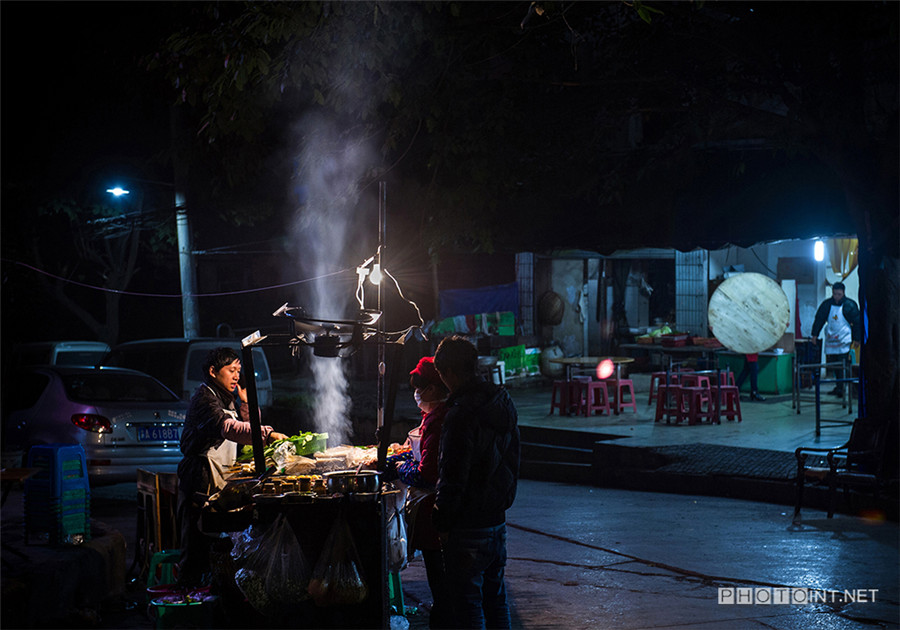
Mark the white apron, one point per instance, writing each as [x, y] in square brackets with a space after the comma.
[837, 332]
[221, 458]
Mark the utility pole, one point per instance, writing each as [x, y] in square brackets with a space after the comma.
[183, 229]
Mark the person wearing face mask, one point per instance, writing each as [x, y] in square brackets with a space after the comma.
[419, 471]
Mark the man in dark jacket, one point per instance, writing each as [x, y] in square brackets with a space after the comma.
[839, 316]
[478, 472]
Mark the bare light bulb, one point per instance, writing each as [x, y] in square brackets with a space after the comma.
[375, 276]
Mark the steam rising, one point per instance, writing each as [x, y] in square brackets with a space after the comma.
[332, 165]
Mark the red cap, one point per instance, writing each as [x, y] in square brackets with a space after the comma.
[427, 372]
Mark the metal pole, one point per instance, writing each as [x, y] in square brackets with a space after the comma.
[183, 231]
[378, 260]
[259, 457]
[186, 267]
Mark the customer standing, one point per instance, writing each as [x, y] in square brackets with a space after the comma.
[751, 369]
[418, 469]
[840, 318]
[212, 431]
[479, 470]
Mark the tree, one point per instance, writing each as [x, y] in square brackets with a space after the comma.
[622, 116]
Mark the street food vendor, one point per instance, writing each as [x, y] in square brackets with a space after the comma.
[213, 428]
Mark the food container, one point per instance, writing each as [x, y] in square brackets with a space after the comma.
[415, 437]
[674, 340]
[349, 481]
[364, 497]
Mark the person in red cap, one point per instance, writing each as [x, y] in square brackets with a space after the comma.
[418, 469]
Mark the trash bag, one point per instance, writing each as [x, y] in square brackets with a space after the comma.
[337, 577]
[275, 574]
[396, 530]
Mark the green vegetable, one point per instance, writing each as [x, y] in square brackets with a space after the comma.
[305, 443]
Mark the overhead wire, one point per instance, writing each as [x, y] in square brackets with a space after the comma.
[171, 295]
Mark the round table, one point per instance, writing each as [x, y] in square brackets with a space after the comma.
[570, 362]
[593, 362]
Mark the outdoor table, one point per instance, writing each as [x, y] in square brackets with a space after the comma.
[670, 352]
[819, 421]
[592, 362]
[571, 362]
[815, 369]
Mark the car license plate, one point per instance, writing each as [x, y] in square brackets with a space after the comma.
[159, 434]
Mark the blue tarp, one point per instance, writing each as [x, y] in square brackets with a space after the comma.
[500, 297]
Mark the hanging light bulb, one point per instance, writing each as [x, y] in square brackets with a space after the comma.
[375, 276]
[819, 251]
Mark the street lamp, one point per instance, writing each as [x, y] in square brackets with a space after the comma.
[185, 255]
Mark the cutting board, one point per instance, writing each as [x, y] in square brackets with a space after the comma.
[748, 313]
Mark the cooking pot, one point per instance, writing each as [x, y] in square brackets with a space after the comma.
[350, 481]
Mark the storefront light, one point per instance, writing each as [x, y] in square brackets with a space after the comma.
[819, 251]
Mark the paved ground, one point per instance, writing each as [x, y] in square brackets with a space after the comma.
[589, 557]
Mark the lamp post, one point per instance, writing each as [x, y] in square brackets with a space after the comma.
[185, 254]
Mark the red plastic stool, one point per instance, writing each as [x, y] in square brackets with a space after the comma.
[559, 399]
[730, 402]
[726, 377]
[619, 388]
[667, 400]
[657, 379]
[578, 394]
[596, 398]
[695, 404]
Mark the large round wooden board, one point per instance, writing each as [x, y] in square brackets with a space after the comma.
[749, 313]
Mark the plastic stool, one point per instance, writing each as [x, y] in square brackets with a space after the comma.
[395, 593]
[730, 402]
[60, 466]
[560, 397]
[164, 567]
[619, 387]
[667, 401]
[596, 398]
[695, 404]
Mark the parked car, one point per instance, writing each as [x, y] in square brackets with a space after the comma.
[124, 419]
[59, 353]
[178, 362]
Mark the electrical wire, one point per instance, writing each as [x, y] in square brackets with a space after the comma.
[171, 295]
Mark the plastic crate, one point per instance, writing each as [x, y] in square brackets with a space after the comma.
[60, 467]
[513, 357]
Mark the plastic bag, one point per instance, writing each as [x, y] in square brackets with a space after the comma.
[337, 578]
[275, 573]
[396, 530]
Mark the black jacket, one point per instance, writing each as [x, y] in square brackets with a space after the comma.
[479, 463]
[202, 431]
[848, 308]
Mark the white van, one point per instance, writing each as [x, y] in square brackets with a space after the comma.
[59, 353]
[178, 361]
